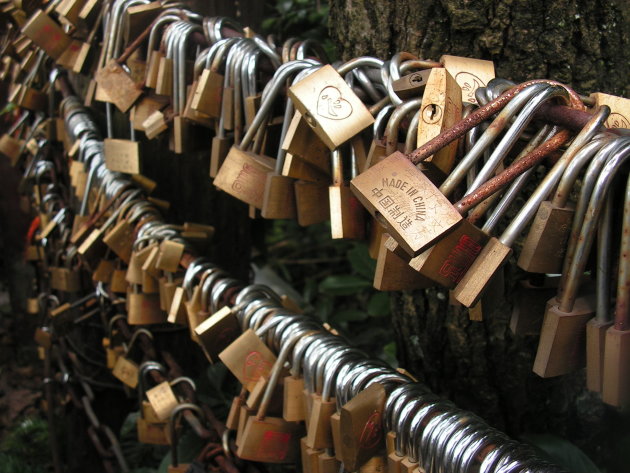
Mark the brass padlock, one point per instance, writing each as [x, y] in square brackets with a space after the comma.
[46, 33]
[144, 308]
[544, 247]
[150, 427]
[441, 108]
[561, 348]
[217, 332]
[312, 202]
[270, 439]
[361, 426]
[469, 73]
[393, 273]
[619, 109]
[125, 369]
[330, 106]
[496, 252]
[248, 358]
[300, 141]
[406, 203]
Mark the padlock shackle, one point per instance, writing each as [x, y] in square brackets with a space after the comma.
[172, 426]
[220, 290]
[143, 369]
[281, 75]
[478, 116]
[581, 159]
[297, 359]
[546, 132]
[274, 376]
[497, 126]
[528, 211]
[332, 366]
[587, 231]
[622, 316]
[318, 362]
[411, 140]
[604, 262]
[393, 124]
[510, 137]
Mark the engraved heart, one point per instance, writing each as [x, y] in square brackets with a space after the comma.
[331, 105]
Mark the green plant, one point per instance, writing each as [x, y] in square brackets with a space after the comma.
[300, 18]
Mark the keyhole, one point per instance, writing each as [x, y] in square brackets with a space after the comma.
[432, 113]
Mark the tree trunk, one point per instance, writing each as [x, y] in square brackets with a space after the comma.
[482, 366]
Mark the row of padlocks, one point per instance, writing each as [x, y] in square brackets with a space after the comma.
[441, 155]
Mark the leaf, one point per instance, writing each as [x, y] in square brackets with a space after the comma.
[323, 308]
[378, 305]
[361, 262]
[389, 354]
[345, 285]
[349, 315]
[562, 452]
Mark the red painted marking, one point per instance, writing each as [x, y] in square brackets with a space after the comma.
[255, 366]
[460, 259]
[372, 432]
[274, 445]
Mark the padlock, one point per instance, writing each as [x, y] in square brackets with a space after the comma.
[449, 259]
[412, 85]
[168, 284]
[496, 252]
[301, 142]
[393, 273]
[151, 429]
[279, 193]
[545, 244]
[384, 144]
[312, 202]
[11, 148]
[243, 173]
[125, 369]
[330, 106]
[619, 109]
[122, 155]
[271, 439]
[361, 429]
[441, 108]
[217, 332]
[46, 33]
[469, 73]
[209, 91]
[144, 308]
[157, 122]
[69, 273]
[405, 202]
[561, 348]
[120, 239]
[83, 58]
[145, 108]
[530, 301]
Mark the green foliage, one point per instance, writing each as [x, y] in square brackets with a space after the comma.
[561, 452]
[25, 449]
[300, 18]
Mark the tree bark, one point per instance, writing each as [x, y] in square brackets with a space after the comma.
[482, 366]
